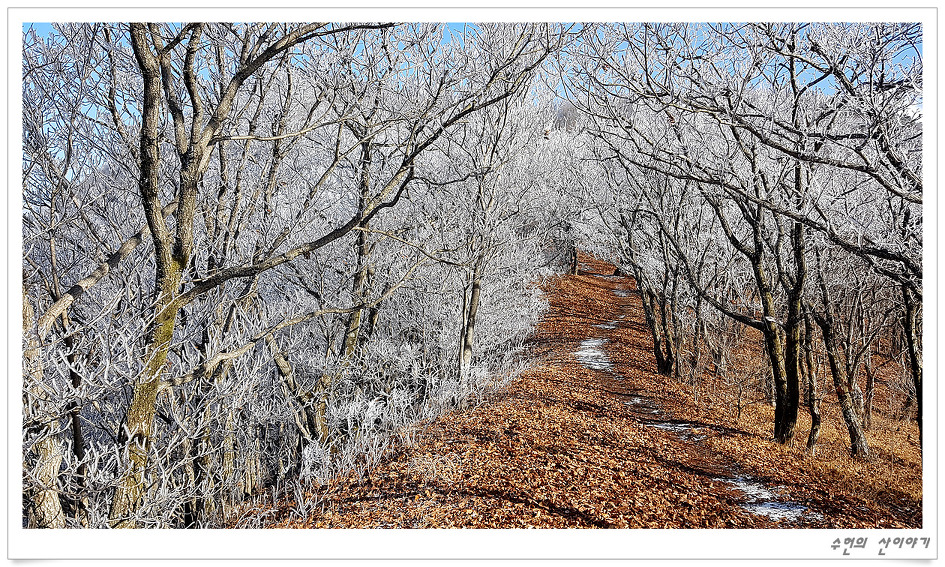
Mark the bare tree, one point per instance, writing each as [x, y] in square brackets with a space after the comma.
[233, 158]
[767, 123]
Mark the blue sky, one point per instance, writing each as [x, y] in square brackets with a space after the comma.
[41, 28]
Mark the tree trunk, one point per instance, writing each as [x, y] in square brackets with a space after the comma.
[304, 414]
[229, 465]
[813, 400]
[45, 506]
[786, 399]
[468, 335]
[75, 423]
[374, 312]
[666, 329]
[198, 509]
[252, 469]
[664, 357]
[363, 250]
[870, 390]
[317, 417]
[856, 393]
[695, 361]
[79, 499]
[910, 323]
[792, 329]
[140, 420]
[170, 260]
[858, 446]
[663, 366]
[190, 475]
[353, 326]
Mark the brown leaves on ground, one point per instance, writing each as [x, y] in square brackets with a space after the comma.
[567, 447]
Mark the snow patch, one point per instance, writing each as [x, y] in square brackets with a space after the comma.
[764, 502]
[641, 405]
[590, 355]
[789, 511]
[685, 431]
[670, 426]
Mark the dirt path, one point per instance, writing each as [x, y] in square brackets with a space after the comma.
[591, 436]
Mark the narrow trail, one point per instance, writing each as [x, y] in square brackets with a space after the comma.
[591, 436]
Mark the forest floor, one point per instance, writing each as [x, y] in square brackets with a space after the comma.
[592, 436]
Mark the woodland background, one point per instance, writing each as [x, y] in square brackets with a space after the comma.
[254, 254]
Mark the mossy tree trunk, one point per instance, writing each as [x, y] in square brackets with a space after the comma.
[169, 265]
[194, 138]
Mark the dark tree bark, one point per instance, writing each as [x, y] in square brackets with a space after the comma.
[858, 446]
[810, 374]
[870, 391]
[910, 324]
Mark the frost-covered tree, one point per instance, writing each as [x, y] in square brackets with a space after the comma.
[782, 130]
[210, 216]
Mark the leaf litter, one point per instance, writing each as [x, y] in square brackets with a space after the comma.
[592, 437]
